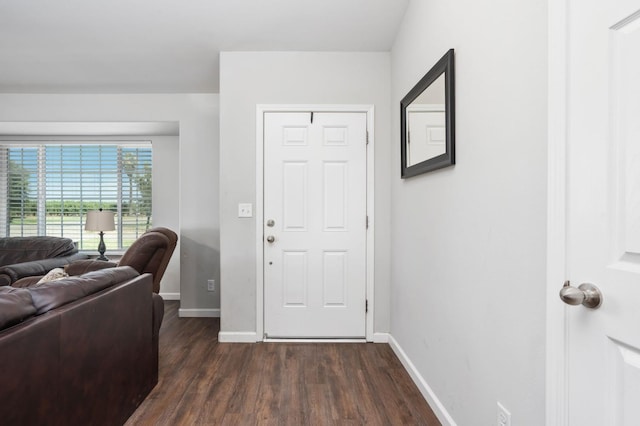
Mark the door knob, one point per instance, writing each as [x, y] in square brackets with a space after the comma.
[270, 223]
[271, 239]
[585, 294]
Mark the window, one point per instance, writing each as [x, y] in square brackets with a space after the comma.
[49, 187]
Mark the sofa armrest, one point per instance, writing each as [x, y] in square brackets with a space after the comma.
[12, 273]
[80, 267]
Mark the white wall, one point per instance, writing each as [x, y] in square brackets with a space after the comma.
[468, 242]
[166, 212]
[190, 170]
[251, 78]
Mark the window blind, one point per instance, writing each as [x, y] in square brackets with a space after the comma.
[49, 187]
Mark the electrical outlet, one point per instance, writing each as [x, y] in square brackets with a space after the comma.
[504, 416]
[211, 285]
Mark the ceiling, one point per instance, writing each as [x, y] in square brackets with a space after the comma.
[171, 46]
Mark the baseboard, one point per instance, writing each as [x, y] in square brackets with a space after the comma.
[206, 313]
[170, 296]
[237, 337]
[424, 388]
[272, 340]
[380, 337]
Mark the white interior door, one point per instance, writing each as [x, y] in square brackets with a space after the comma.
[314, 225]
[603, 210]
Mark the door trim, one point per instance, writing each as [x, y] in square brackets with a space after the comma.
[556, 386]
[259, 226]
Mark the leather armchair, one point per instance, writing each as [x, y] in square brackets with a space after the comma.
[150, 253]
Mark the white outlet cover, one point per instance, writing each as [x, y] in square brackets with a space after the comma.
[245, 210]
[504, 416]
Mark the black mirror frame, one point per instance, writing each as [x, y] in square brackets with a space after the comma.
[443, 66]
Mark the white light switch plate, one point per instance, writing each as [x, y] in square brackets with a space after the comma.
[245, 210]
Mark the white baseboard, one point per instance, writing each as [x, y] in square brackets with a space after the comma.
[170, 296]
[275, 340]
[205, 313]
[237, 337]
[380, 337]
[424, 388]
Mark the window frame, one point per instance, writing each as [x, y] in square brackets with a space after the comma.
[42, 141]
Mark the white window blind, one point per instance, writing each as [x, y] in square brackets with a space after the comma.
[49, 187]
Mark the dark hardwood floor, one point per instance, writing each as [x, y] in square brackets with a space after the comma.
[203, 382]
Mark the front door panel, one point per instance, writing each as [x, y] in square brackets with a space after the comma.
[315, 225]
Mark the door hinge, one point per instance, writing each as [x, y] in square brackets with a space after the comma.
[367, 137]
[367, 221]
[366, 306]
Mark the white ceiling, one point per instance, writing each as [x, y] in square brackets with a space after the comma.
[171, 46]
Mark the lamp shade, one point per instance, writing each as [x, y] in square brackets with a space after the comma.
[100, 220]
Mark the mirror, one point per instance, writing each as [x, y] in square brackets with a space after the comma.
[427, 138]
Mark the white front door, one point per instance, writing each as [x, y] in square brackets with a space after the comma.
[603, 210]
[314, 225]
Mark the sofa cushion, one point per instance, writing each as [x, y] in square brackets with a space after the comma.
[53, 294]
[15, 306]
[25, 249]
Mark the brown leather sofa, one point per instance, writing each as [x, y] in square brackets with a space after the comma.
[30, 256]
[80, 350]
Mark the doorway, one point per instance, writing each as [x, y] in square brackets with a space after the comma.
[314, 222]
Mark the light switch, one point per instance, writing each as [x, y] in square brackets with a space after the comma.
[245, 210]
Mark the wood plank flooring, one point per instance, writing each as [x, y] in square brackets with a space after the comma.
[203, 382]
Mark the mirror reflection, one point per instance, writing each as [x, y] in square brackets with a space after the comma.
[426, 124]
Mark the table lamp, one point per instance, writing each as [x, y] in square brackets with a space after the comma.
[100, 221]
